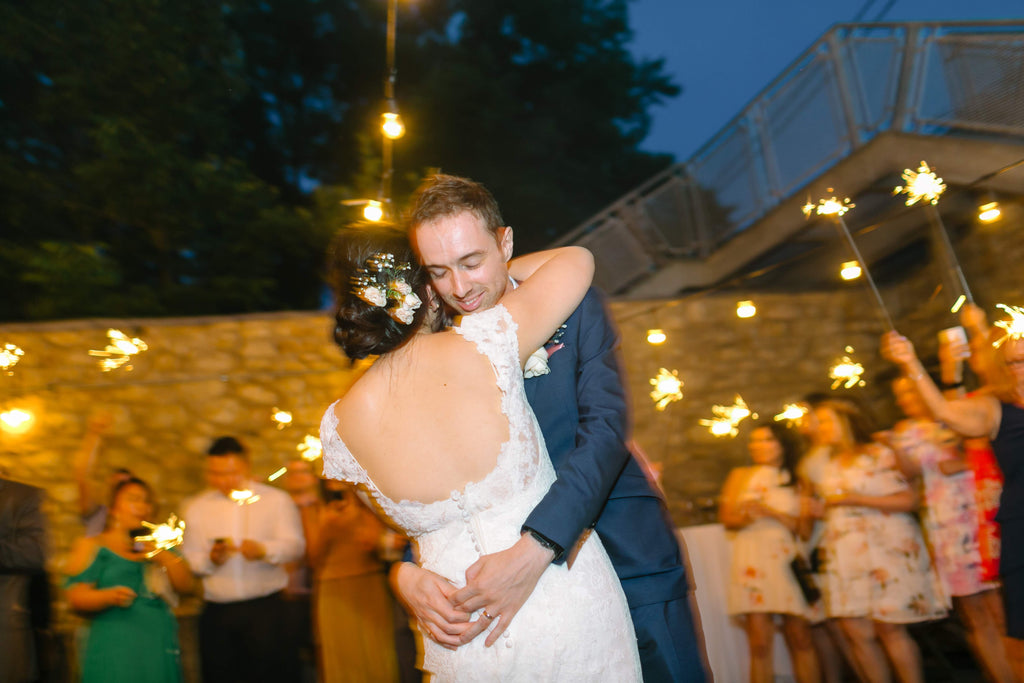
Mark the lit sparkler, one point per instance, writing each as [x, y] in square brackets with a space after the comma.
[118, 351]
[277, 474]
[243, 497]
[164, 536]
[924, 185]
[667, 388]
[720, 426]
[10, 354]
[835, 209]
[310, 449]
[791, 412]
[1014, 326]
[846, 372]
[735, 413]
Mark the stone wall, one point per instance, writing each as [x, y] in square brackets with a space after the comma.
[205, 377]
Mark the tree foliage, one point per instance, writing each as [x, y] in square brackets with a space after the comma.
[187, 157]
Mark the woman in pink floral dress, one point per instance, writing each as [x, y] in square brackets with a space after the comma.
[928, 450]
[760, 505]
[878, 575]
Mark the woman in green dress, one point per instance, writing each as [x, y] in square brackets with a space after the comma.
[132, 635]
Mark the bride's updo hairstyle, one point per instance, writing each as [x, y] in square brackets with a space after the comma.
[363, 328]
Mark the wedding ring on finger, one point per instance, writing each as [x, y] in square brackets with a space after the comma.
[488, 616]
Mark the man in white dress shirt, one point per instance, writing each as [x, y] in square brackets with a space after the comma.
[238, 534]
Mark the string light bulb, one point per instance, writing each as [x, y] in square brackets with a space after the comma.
[16, 420]
[989, 212]
[392, 126]
[373, 211]
[850, 271]
[667, 388]
[656, 336]
[922, 185]
[746, 309]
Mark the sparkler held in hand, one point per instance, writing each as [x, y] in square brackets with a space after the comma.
[835, 208]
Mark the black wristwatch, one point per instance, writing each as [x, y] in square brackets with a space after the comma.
[545, 542]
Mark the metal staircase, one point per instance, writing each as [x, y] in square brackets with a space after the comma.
[860, 105]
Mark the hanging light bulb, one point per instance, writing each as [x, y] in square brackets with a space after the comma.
[656, 336]
[393, 127]
[850, 270]
[282, 417]
[746, 309]
[16, 420]
[989, 211]
[373, 211]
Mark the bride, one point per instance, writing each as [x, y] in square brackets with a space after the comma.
[439, 434]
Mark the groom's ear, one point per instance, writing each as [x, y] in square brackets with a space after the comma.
[504, 235]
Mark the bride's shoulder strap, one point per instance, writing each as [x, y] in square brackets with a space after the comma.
[339, 463]
[494, 333]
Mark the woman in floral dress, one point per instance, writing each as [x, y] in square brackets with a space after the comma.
[760, 504]
[878, 575]
[927, 449]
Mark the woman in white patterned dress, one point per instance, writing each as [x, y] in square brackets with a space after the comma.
[878, 575]
[761, 507]
[438, 433]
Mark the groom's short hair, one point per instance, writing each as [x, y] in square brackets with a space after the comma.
[444, 196]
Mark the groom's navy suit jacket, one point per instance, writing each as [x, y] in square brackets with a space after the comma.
[581, 407]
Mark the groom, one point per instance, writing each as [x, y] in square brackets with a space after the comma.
[461, 240]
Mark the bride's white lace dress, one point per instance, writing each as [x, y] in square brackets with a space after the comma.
[576, 624]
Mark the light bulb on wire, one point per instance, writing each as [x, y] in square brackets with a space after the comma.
[392, 126]
[373, 211]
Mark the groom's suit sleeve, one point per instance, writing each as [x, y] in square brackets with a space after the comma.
[588, 472]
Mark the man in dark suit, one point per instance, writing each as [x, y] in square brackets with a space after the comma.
[575, 388]
[22, 556]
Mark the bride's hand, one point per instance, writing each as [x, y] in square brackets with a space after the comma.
[500, 583]
[427, 597]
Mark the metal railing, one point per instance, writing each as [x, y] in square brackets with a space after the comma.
[856, 82]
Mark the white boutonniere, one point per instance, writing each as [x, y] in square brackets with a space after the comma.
[537, 364]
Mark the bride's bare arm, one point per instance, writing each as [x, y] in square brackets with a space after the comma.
[554, 283]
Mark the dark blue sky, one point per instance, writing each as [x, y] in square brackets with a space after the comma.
[723, 53]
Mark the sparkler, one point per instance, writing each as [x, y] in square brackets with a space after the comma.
[310, 449]
[164, 536]
[791, 412]
[846, 372]
[1014, 326]
[727, 418]
[721, 426]
[667, 388]
[836, 208]
[118, 351]
[10, 354]
[15, 420]
[926, 186]
[243, 497]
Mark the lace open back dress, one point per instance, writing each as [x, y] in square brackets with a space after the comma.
[576, 625]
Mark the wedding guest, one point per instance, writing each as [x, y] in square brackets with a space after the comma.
[929, 451]
[22, 557]
[832, 647]
[354, 608]
[90, 508]
[999, 414]
[760, 504]
[132, 635]
[878, 576]
[239, 546]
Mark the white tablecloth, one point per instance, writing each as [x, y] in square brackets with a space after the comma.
[709, 553]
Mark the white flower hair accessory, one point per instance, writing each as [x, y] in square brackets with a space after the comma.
[382, 283]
